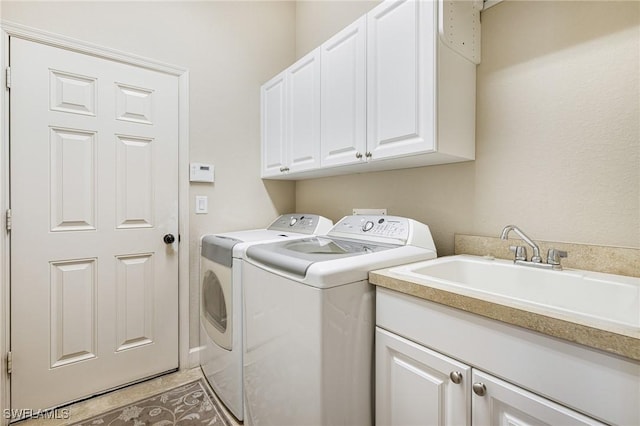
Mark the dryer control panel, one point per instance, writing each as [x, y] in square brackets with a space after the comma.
[301, 223]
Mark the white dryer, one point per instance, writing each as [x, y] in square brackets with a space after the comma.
[221, 299]
[309, 320]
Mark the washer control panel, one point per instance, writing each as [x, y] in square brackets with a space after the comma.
[375, 226]
[300, 223]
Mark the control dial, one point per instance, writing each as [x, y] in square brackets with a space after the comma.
[368, 225]
[293, 221]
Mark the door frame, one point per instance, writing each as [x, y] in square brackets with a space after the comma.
[187, 358]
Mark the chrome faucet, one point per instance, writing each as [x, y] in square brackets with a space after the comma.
[536, 249]
[553, 256]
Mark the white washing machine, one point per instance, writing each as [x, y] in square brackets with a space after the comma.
[221, 299]
[309, 320]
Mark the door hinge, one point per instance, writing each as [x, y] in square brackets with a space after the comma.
[8, 222]
[9, 362]
[8, 77]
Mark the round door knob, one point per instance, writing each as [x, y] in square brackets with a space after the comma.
[169, 239]
[456, 377]
[479, 389]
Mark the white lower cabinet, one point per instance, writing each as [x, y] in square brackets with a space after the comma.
[418, 386]
[496, 402]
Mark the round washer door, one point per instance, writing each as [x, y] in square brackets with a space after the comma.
[216, 303]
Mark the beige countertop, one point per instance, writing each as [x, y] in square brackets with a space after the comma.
[623, 341]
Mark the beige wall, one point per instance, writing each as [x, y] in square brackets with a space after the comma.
[316, 21]
[558, 132]
[230, 48]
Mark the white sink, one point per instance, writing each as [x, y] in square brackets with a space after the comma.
[607, 298]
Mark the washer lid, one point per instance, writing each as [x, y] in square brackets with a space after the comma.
[297, 256]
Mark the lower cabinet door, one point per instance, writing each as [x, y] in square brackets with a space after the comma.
[417, 386]
[496, 402]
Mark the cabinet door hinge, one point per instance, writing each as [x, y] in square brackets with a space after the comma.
[8, 77]
[9, 362]
[8, 222]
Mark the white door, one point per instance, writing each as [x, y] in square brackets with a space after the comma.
[417, 386]
[401, 58]
[343, 96]
[496, 402]
[303, 118]
[273, 116]
[94, 188]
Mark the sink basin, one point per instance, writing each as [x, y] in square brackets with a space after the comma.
[605, 298]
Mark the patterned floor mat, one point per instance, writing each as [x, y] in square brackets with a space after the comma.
[189, 404]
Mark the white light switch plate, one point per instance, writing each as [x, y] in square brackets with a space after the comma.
[202, 204]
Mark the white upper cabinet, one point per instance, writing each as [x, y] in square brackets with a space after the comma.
[397, 90]
[272, 99]
[343, 99]
[401, 73]
[290, 114]
[303, 107]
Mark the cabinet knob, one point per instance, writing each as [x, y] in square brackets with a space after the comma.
[456, 377]
[358, 155]
[282, 169]
[479, 389]
[368, 155]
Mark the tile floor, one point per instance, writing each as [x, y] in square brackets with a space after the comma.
[122, 397]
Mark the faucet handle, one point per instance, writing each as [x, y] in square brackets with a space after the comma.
[520, 252]
[554, 256]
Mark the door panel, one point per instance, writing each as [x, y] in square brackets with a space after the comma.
[73, 331]
[73, 180]
[72, 93]
[94, 188]
[135, 295]
[134, 180]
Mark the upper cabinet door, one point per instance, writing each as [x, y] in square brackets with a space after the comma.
[303, 108]
[401, 73]
[272, 99]
[343, 96]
